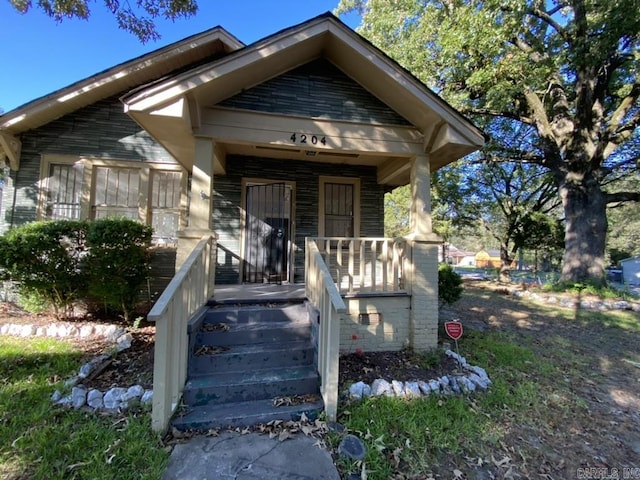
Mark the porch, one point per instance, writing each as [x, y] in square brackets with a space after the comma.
[354, 288]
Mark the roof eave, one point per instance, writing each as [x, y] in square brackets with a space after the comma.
[51, 106]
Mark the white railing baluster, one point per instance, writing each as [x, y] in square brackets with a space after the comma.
[363, 264]
[396, 266]
[352, 254]
[385, 258]
[374, 260]
[375, 265]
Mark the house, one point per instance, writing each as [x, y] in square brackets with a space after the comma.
[266, 164]
[454, 256]
[488, 259]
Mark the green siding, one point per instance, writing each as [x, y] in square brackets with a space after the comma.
[318, 89]
[101, 130]
[227, 205]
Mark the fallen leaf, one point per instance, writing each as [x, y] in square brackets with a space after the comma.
[500, 463]
[76, 465]
[285, 435]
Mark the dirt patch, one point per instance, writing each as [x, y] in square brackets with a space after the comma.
[403, 366]
[592, 417]
[133, 366]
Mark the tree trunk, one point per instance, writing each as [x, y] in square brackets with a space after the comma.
[506, 260]
[585, 231]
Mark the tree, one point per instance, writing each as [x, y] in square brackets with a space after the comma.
[138, 20]
[568, 69]
[396, 212]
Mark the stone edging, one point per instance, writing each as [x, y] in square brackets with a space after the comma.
[601, 305]
[475, 378]
[114, 399]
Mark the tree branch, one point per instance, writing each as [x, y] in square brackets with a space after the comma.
[500, 114]
[548, 19]
[620, 197]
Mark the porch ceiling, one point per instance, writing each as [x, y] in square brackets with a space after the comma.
[174, 111]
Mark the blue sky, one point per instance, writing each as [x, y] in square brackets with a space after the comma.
[40, 55]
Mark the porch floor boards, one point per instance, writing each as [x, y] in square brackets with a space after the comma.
[272, 293]
[259, 293]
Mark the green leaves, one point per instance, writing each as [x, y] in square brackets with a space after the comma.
[137, 19]
[65, 261]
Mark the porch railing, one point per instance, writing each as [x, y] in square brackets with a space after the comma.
[187, 292]
[375, 265]
[323, 294]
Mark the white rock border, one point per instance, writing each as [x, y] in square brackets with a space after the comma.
[116, 398]
[475, 378]
[601, 305]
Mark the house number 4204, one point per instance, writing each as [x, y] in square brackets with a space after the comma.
[308, 139]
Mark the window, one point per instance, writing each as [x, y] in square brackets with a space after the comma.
[116, 192]
[64, 188]
[79, 188]
[166, 190]
[339, 207]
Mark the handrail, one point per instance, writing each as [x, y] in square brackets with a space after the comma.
[366, 264]
[187, 292]
[324, 295]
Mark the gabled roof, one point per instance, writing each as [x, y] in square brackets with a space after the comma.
[211, 43]
[323, 36]
[211, 66]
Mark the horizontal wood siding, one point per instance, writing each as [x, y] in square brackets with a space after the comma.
[101, 130]
[227, 204]
[317, 89]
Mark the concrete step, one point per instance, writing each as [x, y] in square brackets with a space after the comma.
[207, 359]
[252, 333]
[243, 386]
[232, 314]
[243, 414]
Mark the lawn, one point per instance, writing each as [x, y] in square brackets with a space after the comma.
[41, 441]
[565, 398]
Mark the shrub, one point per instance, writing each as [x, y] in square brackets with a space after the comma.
[118, 261]
[46, 258]
[449, 285]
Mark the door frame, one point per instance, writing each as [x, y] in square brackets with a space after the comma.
[250, 181]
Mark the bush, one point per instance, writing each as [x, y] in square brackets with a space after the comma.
[46, 258]
[59, 262]
[449, 285]
[118, 261]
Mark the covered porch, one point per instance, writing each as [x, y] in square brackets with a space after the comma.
[287, 193]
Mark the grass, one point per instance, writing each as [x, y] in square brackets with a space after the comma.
[411, 436]
[41, 441]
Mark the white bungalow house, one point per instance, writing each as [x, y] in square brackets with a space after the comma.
[268, 164]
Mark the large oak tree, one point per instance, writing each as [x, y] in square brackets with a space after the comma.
[566, 68]
[137, 16]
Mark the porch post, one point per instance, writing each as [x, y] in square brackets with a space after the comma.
[200, 206]
[423, 327]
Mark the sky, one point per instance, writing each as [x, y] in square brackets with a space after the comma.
[40, 56]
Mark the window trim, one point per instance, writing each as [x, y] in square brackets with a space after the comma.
[355, 182]
[87, 188]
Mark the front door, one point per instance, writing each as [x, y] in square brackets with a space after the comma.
[267, 233]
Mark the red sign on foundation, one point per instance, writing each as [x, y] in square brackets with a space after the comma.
[453, 329]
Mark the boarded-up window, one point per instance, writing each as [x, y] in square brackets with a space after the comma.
[338, 210]
[165, 205]
[116, 192]
[64, 186]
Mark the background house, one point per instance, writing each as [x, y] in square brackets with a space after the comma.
[488, 259]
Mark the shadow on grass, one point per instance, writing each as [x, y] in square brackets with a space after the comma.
[39, 440]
